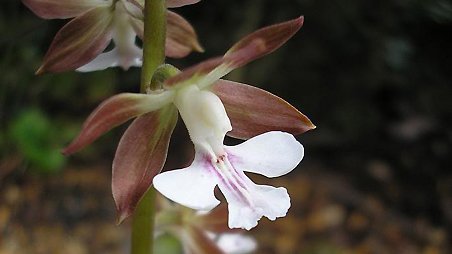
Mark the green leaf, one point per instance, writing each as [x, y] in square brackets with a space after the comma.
[34, 136]
[167, 244]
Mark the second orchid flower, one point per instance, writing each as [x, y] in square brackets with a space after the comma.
[80, 43]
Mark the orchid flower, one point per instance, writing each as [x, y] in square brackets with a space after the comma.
[125, 53]
[271, 154]
[80, 43]
[210, 108]
[201, 232]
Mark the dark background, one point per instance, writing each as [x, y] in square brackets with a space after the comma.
[375, 77]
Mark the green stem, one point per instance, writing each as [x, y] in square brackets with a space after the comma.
[143, 224]
[153, 56]
[153, 40]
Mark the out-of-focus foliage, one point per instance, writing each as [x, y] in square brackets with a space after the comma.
[166, 243]
[40, 114]
[34, 137]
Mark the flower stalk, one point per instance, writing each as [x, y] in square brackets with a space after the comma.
[153, 40]
[153, 56]
[143, 224]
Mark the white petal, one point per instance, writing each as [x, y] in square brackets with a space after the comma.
[236, 243]
[277, 200]
[271, 154]
[125, 53]
[267, 201]
[192, 187]
[124, 39]
[102, 62]
[131, 57]
[204, 116]
[113, 58]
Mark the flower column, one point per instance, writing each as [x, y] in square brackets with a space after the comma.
[153, 56]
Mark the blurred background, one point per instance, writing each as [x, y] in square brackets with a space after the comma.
[375, 77]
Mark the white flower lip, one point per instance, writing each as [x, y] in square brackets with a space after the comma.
[271, 154]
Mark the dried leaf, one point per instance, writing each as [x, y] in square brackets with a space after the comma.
[140, 156]
[254, 111]
[79, 41]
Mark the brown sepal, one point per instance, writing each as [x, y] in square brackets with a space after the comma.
[79, 41]
[140, 156]
[181, 37]
[262, 42]
[61, 9]
[250, 48]
[109, 114]
[254, 111]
